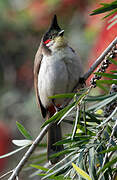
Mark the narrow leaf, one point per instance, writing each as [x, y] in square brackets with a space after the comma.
[39, 167]
[23, 142]
[111, 13]
[67, 95]
[63, 117]
[105, 7]
[99, 98]
[108, 118]
[24, 132]
[109, 150]
[59, 114]
[113, 76]
[11, 153]
[107, 81]
[99, 84]
[76, 122]
[113, 61]
[81, 172]
[108, 164]
[92, 170]
[114, 71]
[103, 103]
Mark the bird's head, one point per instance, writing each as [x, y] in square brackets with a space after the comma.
[54, 36]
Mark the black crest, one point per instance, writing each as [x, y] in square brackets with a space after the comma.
[53, 30]
[54, 25]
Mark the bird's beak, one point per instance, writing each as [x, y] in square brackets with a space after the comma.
[61, 33]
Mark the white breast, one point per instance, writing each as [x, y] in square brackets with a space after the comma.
[58, 74]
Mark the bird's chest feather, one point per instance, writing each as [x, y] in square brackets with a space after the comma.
[54, 74]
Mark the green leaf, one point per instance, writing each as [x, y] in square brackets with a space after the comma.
[107, 81]
[108, 164]
[114, 71]
[109, 150]
[105, 7]
[99, 98]
[76, 122]
[108, 118]
[54, 177]
[39, 167]
[67, 95]
[76, 139]
[11, 153]
[24, 132]
[99, 84]
[113, 76]
[63, 152]
[59, 114]
[82, 128]
[92, 118]
[64, 116]
[81, 172]
[111, 13]
[102, 103]
[92, 170]
[113, 61]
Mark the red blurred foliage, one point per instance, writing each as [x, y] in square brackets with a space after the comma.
[104, 38]
[5, 141]
[69, 5]
[42, 11]
[39, 11]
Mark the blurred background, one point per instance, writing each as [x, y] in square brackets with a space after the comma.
[22, 24]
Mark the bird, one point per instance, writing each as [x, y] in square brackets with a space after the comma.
[57, 70]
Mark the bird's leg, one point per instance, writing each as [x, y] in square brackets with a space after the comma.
[57, 108]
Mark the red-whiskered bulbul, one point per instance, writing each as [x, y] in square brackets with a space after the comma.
[57, 70]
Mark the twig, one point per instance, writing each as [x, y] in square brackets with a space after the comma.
[100, 59]
[6, 174]
[45, 129]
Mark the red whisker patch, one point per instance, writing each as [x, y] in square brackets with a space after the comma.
[47, 41]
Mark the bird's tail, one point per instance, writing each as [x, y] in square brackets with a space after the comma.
[54, 135]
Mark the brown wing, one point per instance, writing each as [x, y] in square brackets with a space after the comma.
[37, 64]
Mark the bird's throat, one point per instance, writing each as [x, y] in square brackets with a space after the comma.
[60, 42]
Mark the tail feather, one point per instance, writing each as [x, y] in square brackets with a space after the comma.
[54, 135]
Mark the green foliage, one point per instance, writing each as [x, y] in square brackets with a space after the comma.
[24, 132]
[108, 7]
[112, 6]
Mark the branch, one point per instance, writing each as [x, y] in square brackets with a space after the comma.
[45, 129]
